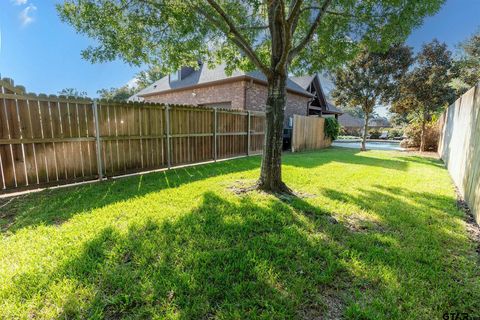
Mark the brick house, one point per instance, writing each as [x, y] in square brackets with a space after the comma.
[240, 90]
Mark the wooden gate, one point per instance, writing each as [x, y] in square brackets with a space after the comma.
[309, 133]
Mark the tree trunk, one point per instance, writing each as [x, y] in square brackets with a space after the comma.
[271, 172]
[422, 137]
[365, 132]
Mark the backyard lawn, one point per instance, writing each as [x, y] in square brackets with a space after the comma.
[374, 235]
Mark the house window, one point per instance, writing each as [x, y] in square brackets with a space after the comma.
[290, 122]
[175, 76]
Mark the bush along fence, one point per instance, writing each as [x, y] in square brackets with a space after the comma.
[49, 140]
[459, 146]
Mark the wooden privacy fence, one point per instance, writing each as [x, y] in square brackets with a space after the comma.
[309, 133]
[55, 140]
[459, 146]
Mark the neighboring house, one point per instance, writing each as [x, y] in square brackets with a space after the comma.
[240, 90]
[349, 122]
[354, 126]
[379, 122]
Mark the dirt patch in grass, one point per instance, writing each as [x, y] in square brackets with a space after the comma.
[331, 307]
[9, 208]
[240, 187]
[357, 223]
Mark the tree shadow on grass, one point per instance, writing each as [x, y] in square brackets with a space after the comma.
[343, 155]
[222, 260]
[57, 205]
[423, 160]
[417, 253]
[283, 259]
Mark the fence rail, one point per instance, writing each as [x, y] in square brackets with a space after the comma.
[56, 140]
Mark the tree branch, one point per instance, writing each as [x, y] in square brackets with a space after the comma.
[294, 14]
[261, 27]
[336, 13]
[280, 35]
[343, 14]
[238, 38]
[311, 31]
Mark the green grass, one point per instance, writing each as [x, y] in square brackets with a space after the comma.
[377, 236]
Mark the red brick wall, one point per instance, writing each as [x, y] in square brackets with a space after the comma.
[257, 95]
[221, 94]
[233, 95]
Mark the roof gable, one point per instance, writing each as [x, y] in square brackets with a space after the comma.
[307, 82]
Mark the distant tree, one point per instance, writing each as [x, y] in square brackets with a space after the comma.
[369, 80]
[142, 80]
[467, 66]
[276, 37]
[72, 92]
[147, 77]
[355, 111]
[117, 94]
[399, 119]
[425, 90]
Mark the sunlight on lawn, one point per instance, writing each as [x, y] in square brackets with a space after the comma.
[378, 236]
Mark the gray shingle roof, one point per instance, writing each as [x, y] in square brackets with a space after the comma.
[347, 120]
[205, 75]
[303, 81]
[331, 107]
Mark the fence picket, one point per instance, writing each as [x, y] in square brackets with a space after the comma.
[49, 139]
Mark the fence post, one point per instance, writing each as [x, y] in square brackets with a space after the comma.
[167, 123]
[248, 133]
[98, 141]
[215, 134]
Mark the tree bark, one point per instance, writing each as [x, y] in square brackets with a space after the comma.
[422, 137]
[365, 132]
[271, 171]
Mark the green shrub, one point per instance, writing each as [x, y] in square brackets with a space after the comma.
[395, 133]
[332, 128]
[374, 133]
[413, 132]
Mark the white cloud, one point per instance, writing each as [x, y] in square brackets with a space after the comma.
[132, 83]
[25, 15]
[19, 2]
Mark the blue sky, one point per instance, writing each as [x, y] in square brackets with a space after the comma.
[43, 54]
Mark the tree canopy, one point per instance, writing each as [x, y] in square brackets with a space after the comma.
[72, 92]
[426, 90]
[174, 33]
[147, 77]
[467, 66]
[117, 94]
[371, 79]
[142, 80]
